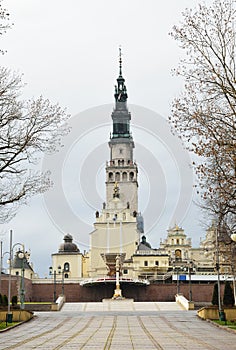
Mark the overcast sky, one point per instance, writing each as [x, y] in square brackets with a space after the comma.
[68, 52]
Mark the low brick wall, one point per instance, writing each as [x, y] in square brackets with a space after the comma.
[201, 293]
[74, 292]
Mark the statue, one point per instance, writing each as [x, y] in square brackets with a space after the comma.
[116, 191]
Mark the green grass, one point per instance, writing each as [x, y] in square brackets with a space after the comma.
[228, 324]
[3, 325]
[35, 302]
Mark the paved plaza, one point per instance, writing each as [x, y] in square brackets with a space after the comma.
[118, 325]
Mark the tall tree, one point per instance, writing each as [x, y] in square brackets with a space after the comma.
[27, 130]
[205, 114]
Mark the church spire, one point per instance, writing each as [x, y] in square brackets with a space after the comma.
[120, 61]
[120, 88]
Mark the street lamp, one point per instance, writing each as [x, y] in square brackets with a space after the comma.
[178, 269]
[221, 311]
[9, 315]
[55, 273]
[233, 237]
[23, 256]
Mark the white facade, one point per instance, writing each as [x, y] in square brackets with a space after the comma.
[68, 262]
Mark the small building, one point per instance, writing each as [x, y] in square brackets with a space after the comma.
[68, 260]
[146, 262]
[21, 265]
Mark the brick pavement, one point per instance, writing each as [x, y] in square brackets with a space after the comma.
[117, 325]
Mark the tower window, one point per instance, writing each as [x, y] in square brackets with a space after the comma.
[145, 263]
[121, 150]
[157, 263]
[110, 176]
[131, 176]
[117, 176]
[66, 267]
[124, 176]
[66, 275]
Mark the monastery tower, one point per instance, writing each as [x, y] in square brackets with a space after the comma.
[118, 226]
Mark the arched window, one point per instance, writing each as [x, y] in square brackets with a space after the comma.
[131, 176]
[66, 275]
[110, 176]
[66, 267]
[117, 176]
[124, 176]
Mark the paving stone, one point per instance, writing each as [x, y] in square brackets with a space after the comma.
[115, 326]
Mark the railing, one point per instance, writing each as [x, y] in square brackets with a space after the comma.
[107, 279]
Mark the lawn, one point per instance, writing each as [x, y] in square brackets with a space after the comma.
[3, 325]
[228, 324]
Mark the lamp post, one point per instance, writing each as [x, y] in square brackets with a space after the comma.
[55, 273]
[221, 312]
[23, 256]
[178, 286]
[9, 316]
[190, 280]
[177, 269]
[233, 237]
[11, 247]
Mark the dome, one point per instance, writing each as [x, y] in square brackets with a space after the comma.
[68, 246]
[144, 245]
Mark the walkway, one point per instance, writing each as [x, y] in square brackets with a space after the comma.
[118, 325]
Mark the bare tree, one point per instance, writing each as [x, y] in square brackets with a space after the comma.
[205, 114]
[27, 130]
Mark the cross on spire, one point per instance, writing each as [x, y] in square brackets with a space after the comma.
[120, 61]
[120, 88]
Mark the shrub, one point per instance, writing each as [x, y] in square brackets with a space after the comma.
[214, 300]
[228, 298]
[14, 300]
[4, 300]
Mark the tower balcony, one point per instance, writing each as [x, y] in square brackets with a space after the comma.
[121, 163]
